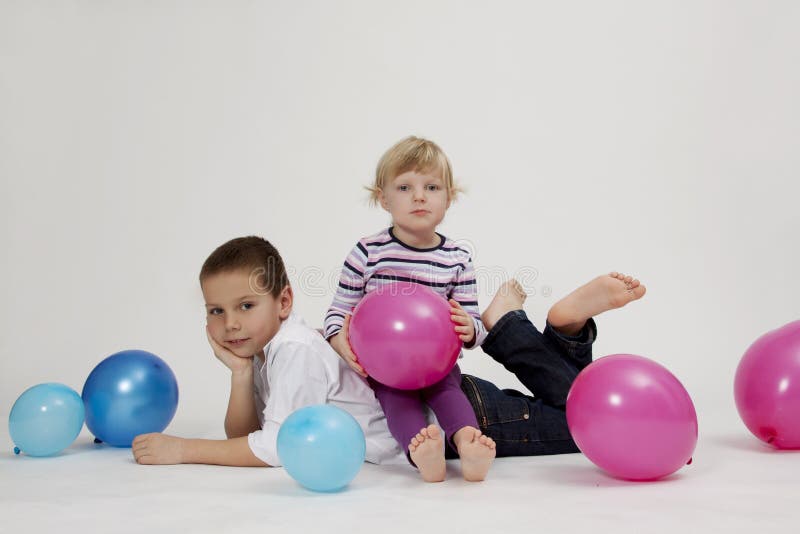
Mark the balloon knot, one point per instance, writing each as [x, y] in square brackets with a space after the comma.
[97, 440]
[16, 450]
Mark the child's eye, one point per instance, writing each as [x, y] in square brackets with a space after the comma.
[246, 305]
[433, 187]
[215, 311]
[402, 188]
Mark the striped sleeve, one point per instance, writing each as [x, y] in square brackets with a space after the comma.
[349, 292]
[465, 292]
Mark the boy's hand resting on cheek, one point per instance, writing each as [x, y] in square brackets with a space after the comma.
[341, 345]
[233, 362]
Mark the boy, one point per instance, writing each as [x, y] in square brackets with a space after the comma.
[272, 352]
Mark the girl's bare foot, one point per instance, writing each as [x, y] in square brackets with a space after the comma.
[427, 452]
[604, 293]
[508, 298]
[476, 451]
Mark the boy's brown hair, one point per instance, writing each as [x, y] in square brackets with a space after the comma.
[256, 255]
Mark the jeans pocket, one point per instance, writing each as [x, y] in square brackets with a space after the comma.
[493, 406]
[508, 406]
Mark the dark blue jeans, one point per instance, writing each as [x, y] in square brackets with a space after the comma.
[546, 363]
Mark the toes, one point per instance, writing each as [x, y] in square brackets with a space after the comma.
[620, 277]
[434, 433]
[518, 288]
[630, 282]
[487, 441]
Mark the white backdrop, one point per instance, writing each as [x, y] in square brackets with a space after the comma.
[659, 139]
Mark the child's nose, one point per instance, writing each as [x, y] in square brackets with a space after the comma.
[232, 323]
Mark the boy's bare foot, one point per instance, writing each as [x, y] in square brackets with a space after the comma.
[604, 293]
[476, 451]
[427, 452]
[508, 298]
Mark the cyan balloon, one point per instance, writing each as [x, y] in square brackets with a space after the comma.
[46, 419]
[129, 393]
[322, 447]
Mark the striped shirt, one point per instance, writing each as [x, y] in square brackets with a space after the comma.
[381, 259]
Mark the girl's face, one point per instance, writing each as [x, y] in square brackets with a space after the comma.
[417, 202]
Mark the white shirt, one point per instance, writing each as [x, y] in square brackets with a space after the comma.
[300, 368]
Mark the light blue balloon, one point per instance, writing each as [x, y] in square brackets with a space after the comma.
[46, 419]
[322, 447]
[129, 393]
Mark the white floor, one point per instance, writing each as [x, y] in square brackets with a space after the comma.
[734, 485]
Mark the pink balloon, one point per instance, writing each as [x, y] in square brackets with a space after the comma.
[632, 417]
[767, 387]
[403, 336]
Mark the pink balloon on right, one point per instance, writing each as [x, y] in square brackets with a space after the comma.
[632, 418]
[767, 387]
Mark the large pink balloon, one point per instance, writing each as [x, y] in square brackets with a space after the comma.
[632, 417]
[767, 387]
[403, 336]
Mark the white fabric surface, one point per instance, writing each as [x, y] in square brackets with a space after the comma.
[733, 485]
[301, 369]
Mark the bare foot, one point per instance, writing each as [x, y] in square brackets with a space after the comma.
[508, 298]
[604, 293]
[427, 452]
[477, 453]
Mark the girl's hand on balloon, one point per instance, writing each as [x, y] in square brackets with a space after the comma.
[341, 345]
[465, 327]
[157, 449]
[235, 363]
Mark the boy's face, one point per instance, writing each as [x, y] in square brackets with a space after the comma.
[416, 200]
[240, 316]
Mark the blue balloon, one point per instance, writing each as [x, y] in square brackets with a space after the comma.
[46, 419]
[322, 447]
[129, 393]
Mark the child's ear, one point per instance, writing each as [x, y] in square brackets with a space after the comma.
[382, 199]
[286, 299]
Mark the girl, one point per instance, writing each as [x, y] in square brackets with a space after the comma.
[414, 183]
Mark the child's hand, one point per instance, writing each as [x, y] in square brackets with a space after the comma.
[161, 449]
[341, 344]
[233, 362]
[465, 327]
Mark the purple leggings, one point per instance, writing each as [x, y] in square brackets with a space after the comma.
[405, 410]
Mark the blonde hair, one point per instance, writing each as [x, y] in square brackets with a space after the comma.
[412, 154]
